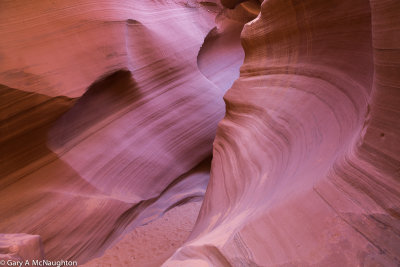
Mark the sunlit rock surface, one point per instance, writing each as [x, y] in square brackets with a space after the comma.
[109, 114]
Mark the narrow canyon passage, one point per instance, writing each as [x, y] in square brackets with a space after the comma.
[219, 59]
[133, 145]
[106, 121]
[200, 133]
[221, 54]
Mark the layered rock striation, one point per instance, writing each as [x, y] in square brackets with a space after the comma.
[106, 121]
[109, 110]
[305, 167]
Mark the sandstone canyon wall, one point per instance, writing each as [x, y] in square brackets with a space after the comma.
[306, 168]
[106, 121]
[109, 114]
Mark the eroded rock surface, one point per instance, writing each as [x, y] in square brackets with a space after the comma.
[109, 110]
[106, 121]
[306, 162]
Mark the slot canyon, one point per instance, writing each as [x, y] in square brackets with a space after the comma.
[243, 133]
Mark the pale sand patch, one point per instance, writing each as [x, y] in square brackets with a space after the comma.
[150, 245]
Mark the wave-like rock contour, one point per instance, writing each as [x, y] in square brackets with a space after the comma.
[106, 121]
[109, 110]
[306, 162]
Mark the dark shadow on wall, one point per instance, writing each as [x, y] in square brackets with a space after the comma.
[106, 96]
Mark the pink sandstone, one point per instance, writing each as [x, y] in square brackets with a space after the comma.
[111, 112]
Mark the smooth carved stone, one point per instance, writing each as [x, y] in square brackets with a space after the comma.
[305, 167]
[106, 121]
[110, 111]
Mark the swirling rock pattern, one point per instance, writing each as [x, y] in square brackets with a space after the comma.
[109, 110]
[305, 168]
[106, 121]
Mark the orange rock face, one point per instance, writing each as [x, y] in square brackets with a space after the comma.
[111, 110]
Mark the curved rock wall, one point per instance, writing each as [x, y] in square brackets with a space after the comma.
[106, 122]
[305, 168]
[109, 110]
[221, 54]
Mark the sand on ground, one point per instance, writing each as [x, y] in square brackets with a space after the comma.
[151, 244]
